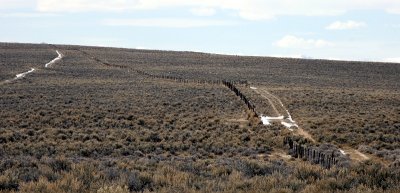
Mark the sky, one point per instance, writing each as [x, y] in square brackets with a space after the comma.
[365, 30]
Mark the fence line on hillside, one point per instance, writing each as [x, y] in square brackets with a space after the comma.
[238, 93]
[229, 84]
[178, 79]
[297, 150]
[101, 61]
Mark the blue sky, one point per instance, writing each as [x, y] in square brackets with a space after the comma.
[329, 29]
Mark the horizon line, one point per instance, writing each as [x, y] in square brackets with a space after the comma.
[302, 57]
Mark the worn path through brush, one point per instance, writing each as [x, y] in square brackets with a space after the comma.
[280, 111]
[23, 74]
[354, 154]
[281, 114]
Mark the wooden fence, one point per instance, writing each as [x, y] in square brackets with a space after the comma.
[302, 151]
[327, 160]
[230, 84]
[238, 93]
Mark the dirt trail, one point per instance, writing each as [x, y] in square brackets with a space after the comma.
[279, 154]
[282, 115]
[354, 154]
[18, 76]
[22, 75]
[305, 134]
[280, 110]
[59, 57]
[269, 99]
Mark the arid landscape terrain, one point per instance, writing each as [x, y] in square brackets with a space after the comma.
[96, 119]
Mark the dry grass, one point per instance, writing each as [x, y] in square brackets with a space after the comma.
[85, 127]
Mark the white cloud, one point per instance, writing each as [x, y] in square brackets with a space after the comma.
[203, 11]
[10, 4]
[142, 48]
[296, 42]
[26, 15]
[84, 5]
[339, 25]
[167, 22]
[301, 56]
[394, 10]
[393, 60]
[246, 9]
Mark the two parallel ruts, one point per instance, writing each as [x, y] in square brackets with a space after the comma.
[22, 75]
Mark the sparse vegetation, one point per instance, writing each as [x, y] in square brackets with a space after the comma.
[81, 126]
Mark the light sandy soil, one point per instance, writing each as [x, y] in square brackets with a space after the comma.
[59, 57]
[18, 76]
[279, 109]
[279, 155]
[305, 134]
[282, 115]
[265, 94]
[354, 154]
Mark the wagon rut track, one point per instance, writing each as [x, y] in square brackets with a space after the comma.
[24, 74]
